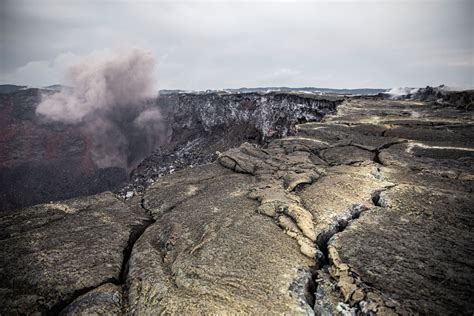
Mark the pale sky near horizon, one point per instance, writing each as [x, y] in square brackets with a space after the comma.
[220, 44]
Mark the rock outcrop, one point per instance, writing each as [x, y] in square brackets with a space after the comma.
[369, 211]
[201, 125]
[441, 95]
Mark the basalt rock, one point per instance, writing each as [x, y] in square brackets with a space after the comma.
[203, 125]
[366, 212]
[52, 253]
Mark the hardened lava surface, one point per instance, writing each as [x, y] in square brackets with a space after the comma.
[369, 211]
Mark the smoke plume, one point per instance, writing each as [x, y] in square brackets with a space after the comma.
[398, 92]
[112, 99]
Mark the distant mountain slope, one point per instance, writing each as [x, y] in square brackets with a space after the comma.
[312, 89]
[287, 89]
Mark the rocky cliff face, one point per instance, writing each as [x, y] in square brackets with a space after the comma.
[369, 211]
[42, 160]
[199, 126]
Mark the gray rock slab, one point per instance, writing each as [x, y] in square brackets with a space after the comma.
[51, 253]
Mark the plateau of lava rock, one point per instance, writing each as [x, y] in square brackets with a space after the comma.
[369, 211]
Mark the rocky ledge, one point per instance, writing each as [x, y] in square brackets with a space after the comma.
[369, 211]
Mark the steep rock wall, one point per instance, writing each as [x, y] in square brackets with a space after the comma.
[41, 160]
[199, 126]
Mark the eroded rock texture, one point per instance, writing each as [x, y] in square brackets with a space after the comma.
[209, 251]
[201, 125]
[51, 253]
[368, 212]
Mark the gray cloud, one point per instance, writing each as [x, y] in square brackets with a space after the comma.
[204, 45]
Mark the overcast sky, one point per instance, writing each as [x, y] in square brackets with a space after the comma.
[208, 45]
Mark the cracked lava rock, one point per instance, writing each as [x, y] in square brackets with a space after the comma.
[369, 211]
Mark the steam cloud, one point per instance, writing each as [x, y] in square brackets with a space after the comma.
[401, 91]
[112, 101]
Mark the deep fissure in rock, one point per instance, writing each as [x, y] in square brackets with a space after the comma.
[135, 233]
[322, 241]
[127, 252]
[377, 157]
[376, 199]
[337, 226]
